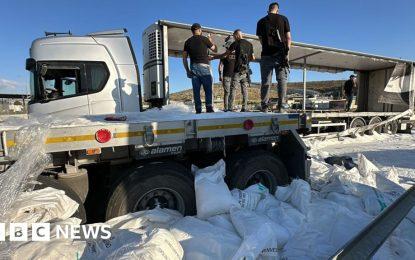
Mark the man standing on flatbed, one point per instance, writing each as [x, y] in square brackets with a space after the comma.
[244, 53]
[197, 48]
[226, 71]
[274, 33]
[350, 87]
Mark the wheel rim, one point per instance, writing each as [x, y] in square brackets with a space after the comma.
[373, 121]
[260, 176]
[357, 122]
[163, 198]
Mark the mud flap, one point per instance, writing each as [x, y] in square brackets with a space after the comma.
[293, 153]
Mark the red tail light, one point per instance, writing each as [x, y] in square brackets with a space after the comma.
[248, 124]
[103, 135]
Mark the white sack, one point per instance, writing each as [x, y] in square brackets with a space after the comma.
[329, 226]
[348, 201]
[222, 221]
[320, 173]
[282, 213]
[61, 249]
[212, 194]
[147, 219]
[249, 198]
[202, 240]
[42, 205]
[159, 244]
[260, 234]
[365, 166]
[258, 188]
[64, 248]
[374, 201]
[298, 194]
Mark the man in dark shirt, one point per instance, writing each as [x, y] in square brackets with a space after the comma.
[349, 90]
[244, 53]
[196, 47]
[226, 71]
[274, 33]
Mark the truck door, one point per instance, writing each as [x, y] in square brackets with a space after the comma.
[65, 87]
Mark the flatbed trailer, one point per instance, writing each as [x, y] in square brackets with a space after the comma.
[328, 121]
[158, 148]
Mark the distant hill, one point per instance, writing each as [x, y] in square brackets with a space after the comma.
[331, 87]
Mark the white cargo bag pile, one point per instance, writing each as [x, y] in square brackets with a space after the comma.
[295, 222]
[139, 235]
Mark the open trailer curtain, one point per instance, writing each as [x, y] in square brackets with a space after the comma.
[400, 88]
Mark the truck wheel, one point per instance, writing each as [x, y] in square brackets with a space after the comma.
[78, 182]
[374, 120]
[250, 167]
[165, 185]
[390, 128]
[50, 181]
[357, 122]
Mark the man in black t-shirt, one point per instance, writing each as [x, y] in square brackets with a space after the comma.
[350, 87]
[226, 70]
[196, 47]
[274, 33]
[244, 53]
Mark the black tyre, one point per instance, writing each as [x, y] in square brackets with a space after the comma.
[390, 128]
[357, 122]
[374, 120]
[257, 166]
[167, 185]
[50, 181]
[408, 129]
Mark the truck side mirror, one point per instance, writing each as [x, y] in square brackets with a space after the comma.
[30, 64]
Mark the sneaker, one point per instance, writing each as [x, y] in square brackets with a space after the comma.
[198, 111]
[209, 110]
[244, 110]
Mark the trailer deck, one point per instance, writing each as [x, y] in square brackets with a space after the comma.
[319, 115]
[159, 129]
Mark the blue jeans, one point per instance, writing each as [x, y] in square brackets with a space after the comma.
[202, 76]
[268, 64]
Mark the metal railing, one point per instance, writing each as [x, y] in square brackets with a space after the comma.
[371, 238]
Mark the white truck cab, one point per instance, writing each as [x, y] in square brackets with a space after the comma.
[84, 75]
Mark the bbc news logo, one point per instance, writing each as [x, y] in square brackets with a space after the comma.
[43, 232]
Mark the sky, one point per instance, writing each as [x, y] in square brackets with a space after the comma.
[373, 26]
